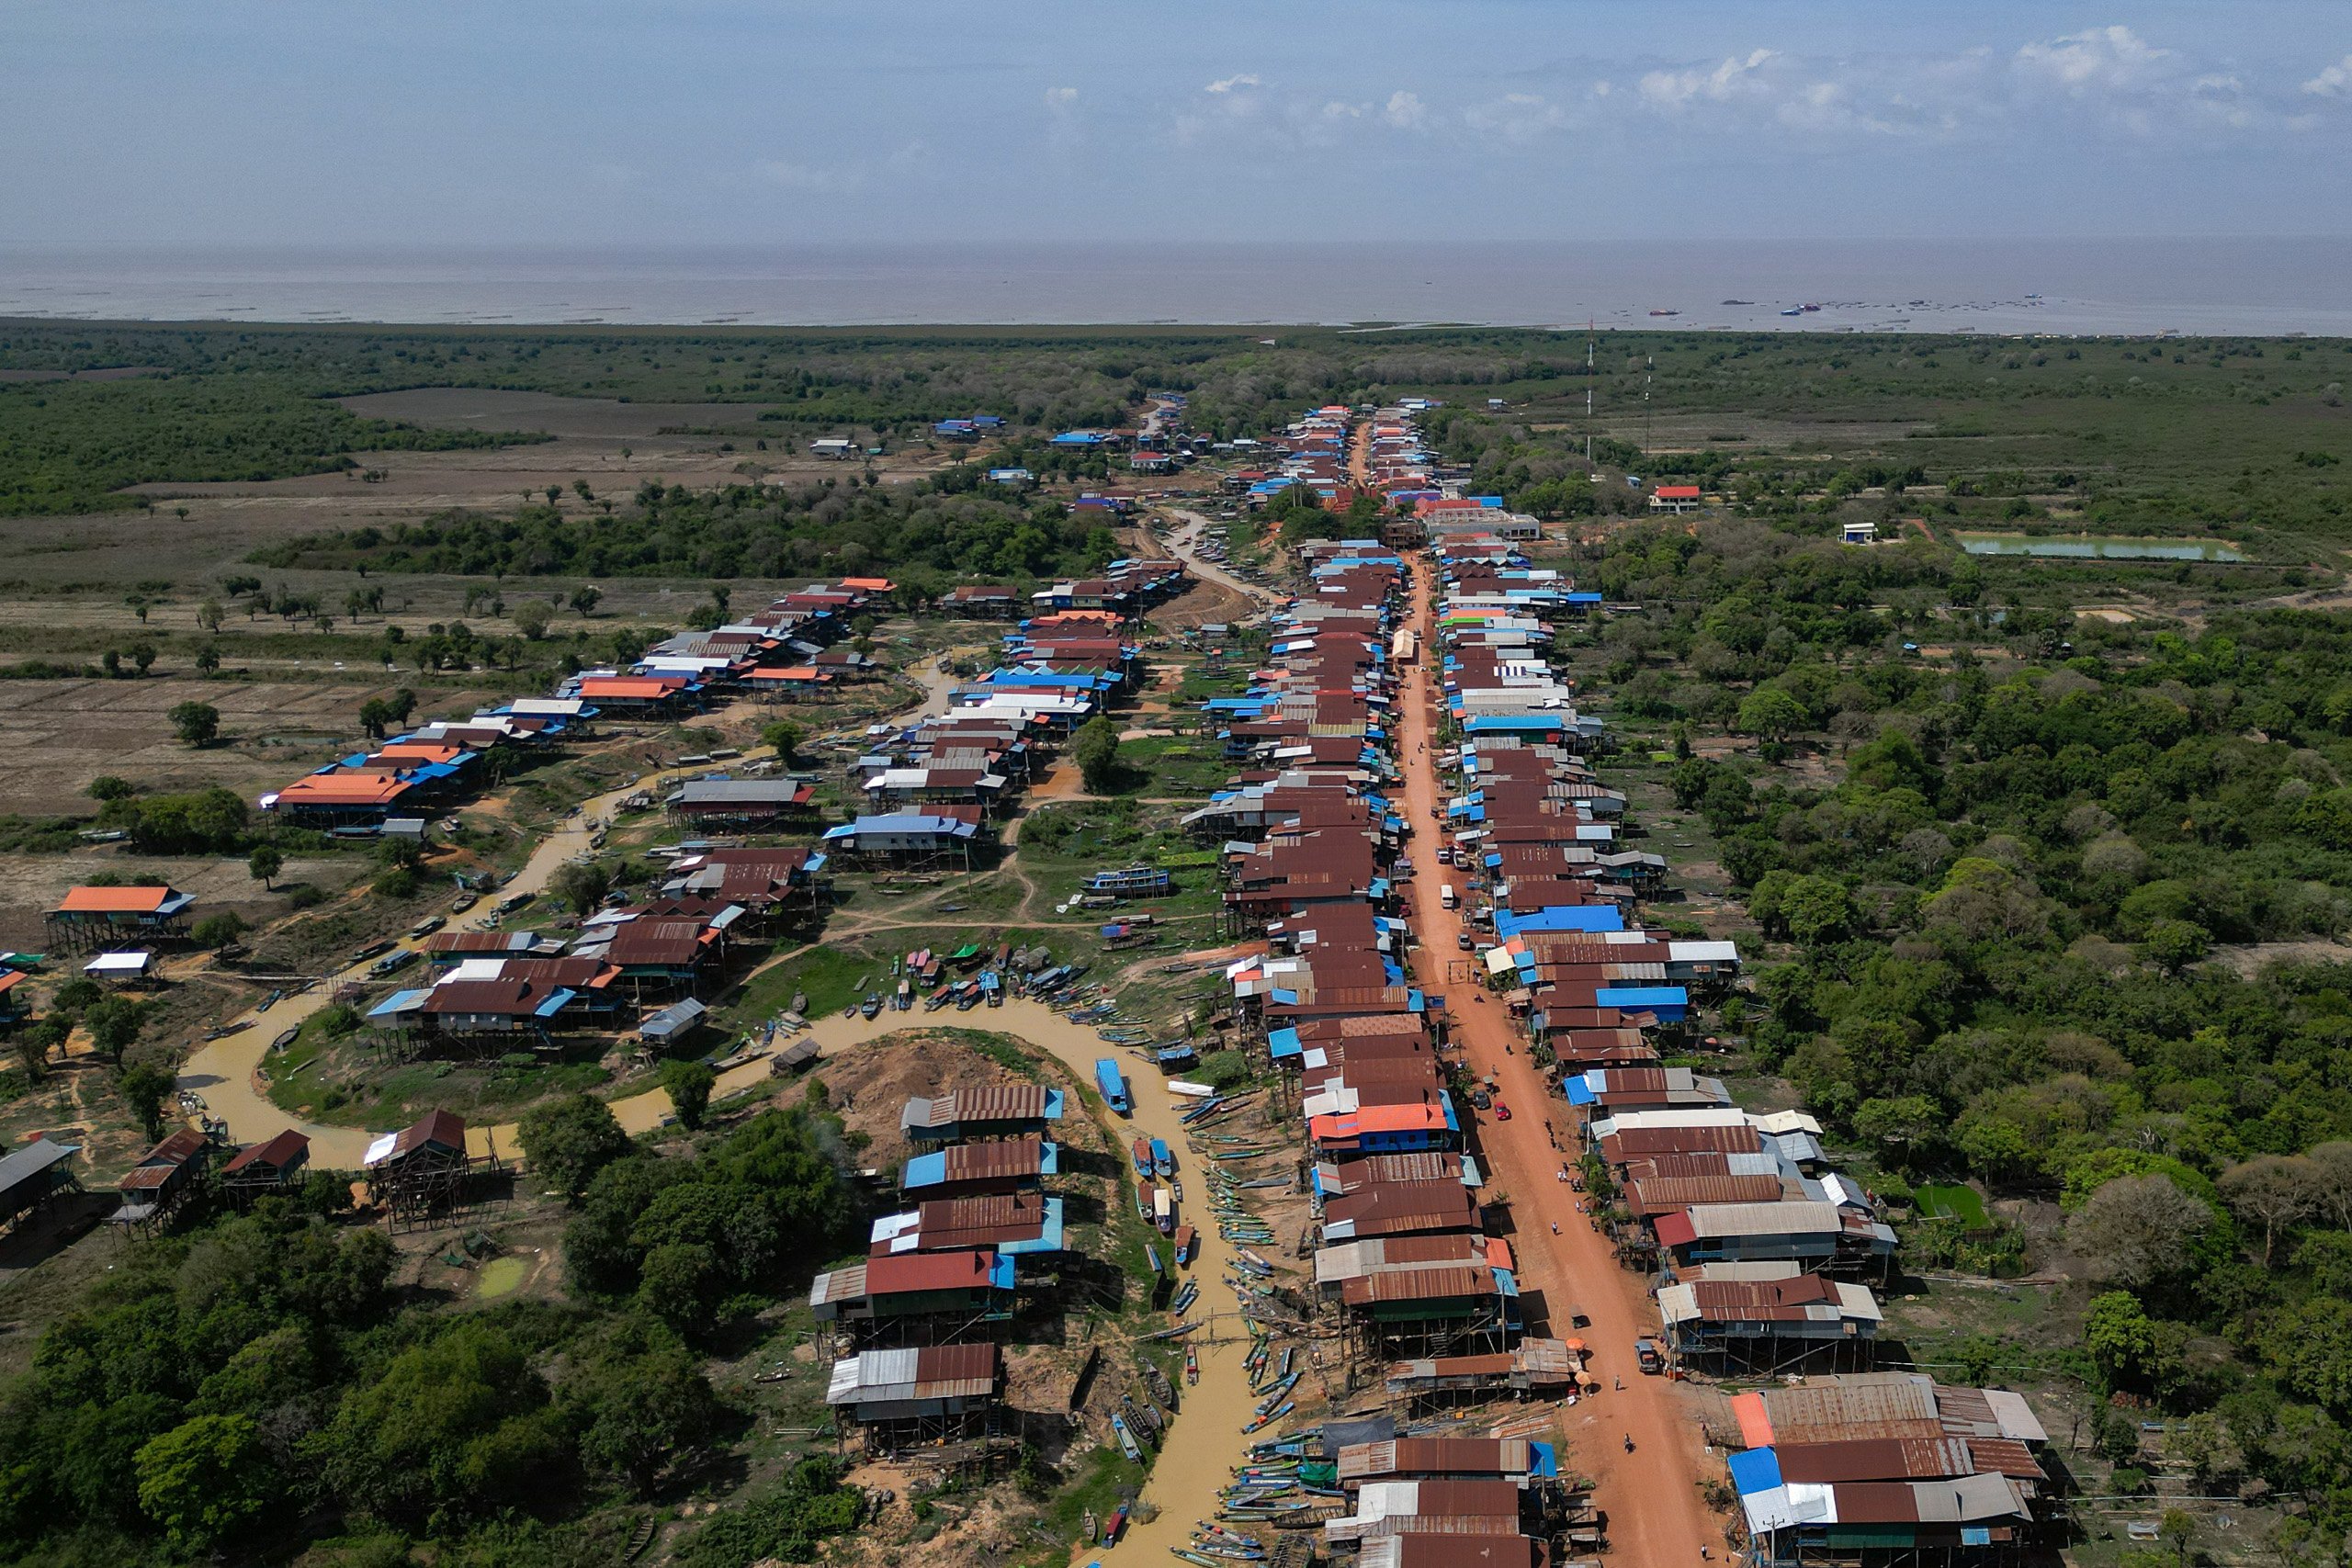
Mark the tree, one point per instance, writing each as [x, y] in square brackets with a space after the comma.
[1095, 750]
[2332, 1179]
[580, 883]
[1772, 714]
[586, 597]
[208, 658]
[218, 929]
[2179, 1526]
[2275, 1189]
[568, 1141]
[1904, 1128]
[113, 1022]
[145, 1088]
[106, 788]
[689, 1085]
[209, 614]
[2139, 1231]
[264, 863]
[197, 724]
[531, 620]
[2121, 1340]
[784, 736]
[205, 1479]
[2173, 945]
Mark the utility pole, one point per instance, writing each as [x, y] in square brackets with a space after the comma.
[1588, 400]
[1650, 421]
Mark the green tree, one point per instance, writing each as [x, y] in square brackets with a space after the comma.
[568, 1141]
[264, 863]
[197, 724]
[531, 620]
[689, 1085]
[208, 658]
[146, 1088]
[784, 736]
[1095, 750]
[582, 884]
[1772, 714]
[2121, 1338]
[586, 597]
[114, 1024]
[107, 788]
[205, 1479]
[2173, 945]
[219, 929]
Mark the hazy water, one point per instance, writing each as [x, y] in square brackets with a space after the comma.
[2261, 285]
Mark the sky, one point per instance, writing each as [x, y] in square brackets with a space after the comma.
[338, 124]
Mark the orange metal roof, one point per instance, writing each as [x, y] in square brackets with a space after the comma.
[115, 900]
[423, 751]
[797, 673]
[352, 789]
[631, 686]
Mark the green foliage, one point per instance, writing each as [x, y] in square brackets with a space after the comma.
[688, 1085]
[1095, 750]
[210, 821]
[205, 1479]
[582, 884]
[789, 1525]
[68, 446]
[197, 724]
[568, 1141]
[218, 929]
[738, 531]
[264, 863]
[146, 1088]
[697, 1240]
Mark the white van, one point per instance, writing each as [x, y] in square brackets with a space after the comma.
[1445, 897]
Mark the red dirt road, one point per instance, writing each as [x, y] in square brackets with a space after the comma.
[1655, 1518]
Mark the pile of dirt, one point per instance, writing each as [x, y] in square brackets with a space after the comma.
[870, 1083]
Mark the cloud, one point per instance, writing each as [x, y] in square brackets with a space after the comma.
[1671, 89]
[2336, 81]
[1231, 84]
[794, 175]
[1516, 117]
[1404, 111]
[1060, 97]
[2101, 59]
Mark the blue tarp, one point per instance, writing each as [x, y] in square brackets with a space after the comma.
[1577, 1090]
[397, 1003]
[1754, 1471]
[1285, 1042]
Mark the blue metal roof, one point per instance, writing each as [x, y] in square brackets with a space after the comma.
[1641, 997]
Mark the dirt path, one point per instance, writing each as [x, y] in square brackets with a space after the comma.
[1185, 544]
[224, 1071]
[1655, 1515]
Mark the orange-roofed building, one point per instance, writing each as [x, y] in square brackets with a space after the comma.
[1675, 498]
[1385, 1129]
[91, 916]
[637, 693]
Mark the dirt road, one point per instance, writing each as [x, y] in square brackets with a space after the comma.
[1651, 1494]
[223, 1070]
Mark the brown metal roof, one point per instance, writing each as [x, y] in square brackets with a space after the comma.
[276, 1155]
[1005, 1102]
[948, 1370]
[1875, 1459]
[1417, 1285]
[983, 1162]
[1434, 1456]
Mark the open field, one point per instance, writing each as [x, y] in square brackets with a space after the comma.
[56, 736]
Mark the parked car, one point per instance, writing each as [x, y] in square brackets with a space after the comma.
[1465, 942]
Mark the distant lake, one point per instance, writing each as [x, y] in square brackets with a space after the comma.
[2252, 284]
[2092, 547]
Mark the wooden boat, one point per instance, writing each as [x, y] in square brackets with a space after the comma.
[1158, 1381]
[1192, 1365]
[1187, 1239]
[1142, 1156]
[1134, 1450]
[1118, 1527]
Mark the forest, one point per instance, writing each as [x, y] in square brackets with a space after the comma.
[258, 1379]
[942, 526]
[2039, 920]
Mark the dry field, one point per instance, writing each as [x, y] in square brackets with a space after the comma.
[56, 736]
[30, 884]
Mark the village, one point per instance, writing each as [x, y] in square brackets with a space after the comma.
[1347, 1103]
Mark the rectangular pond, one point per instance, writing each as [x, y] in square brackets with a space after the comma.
[2093, 546]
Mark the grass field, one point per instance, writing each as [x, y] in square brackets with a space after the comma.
[1946, 1200]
